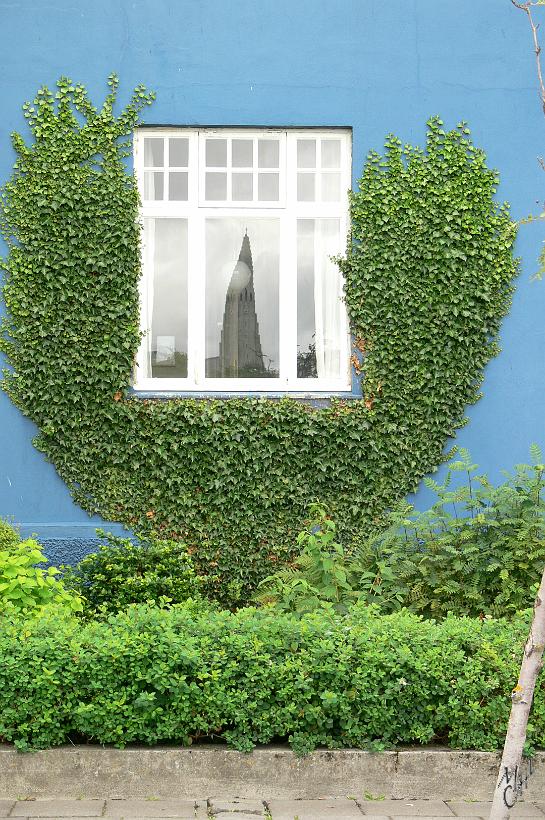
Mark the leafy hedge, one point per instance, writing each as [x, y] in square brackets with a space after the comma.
[362, 680]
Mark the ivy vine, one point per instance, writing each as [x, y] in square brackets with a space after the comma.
[429, 271]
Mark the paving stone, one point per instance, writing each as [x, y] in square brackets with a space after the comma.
[335, 815]
[57, 808]
[339, 808]
[407, 808]
[239, 815]
[482, 809]
[242, 806]
[151, 808]
[5, 807]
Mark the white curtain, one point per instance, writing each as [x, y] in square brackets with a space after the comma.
[327, 298]
[149, 281]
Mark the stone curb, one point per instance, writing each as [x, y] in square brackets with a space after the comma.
[78, 772]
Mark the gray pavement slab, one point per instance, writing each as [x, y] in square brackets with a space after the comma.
[151, 808]
[238, 815]
[57, 808]
[5, 807]
[463, 808]
[407, 808]
[339, 807]
[310, 816]
[218, 806]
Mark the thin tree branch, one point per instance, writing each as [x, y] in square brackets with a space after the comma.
[527, 8]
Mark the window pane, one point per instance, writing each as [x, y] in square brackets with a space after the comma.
[243, 187]
[165, 246]
[306, 189]
[154, 185]
[268, 152]
[216, 153]
[216, 186]
[178, 152]
[242, 338]
[242, 153]
[319, 300]
[331, 153]
[154, 151]
[331, 187]
[177, 185]
[267, 186]
[306, 153]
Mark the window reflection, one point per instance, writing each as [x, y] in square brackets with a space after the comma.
[242, 298]
[165, 242]
[319, 300]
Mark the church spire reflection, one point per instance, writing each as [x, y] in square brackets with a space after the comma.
[240, 351]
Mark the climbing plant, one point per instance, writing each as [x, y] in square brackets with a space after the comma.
[428, 270]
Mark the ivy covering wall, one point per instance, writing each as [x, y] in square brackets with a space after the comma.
[428, 269]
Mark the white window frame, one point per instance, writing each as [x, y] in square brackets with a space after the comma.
[288, 210]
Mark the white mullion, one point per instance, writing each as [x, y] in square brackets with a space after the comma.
[255, 169]
[192, 252]
[166, 175]
[229, 168]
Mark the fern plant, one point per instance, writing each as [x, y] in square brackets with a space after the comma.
[479, 550]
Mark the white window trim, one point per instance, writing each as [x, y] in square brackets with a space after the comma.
[287, 212]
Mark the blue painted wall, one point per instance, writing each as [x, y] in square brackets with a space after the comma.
[376, 66]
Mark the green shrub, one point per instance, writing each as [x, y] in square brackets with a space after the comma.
[123, 573]
[9, 537]
[479, 550]
[317, 578]
[177, 675]
[24, 586]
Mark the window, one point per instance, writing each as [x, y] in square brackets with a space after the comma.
[238, 291]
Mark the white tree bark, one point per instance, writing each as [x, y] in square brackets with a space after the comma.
[511, 779]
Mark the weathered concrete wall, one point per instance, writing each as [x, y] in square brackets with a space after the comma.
[94, 772]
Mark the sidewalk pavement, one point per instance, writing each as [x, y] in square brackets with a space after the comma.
[338, 808]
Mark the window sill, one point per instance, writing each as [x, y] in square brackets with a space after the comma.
[315, 397]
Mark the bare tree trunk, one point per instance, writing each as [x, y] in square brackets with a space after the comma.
[509, 784]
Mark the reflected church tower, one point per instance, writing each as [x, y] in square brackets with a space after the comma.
[240, 346]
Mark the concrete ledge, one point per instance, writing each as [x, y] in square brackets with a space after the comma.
[96, 772]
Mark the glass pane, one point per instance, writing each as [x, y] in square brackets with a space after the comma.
[319, 300]
[165, 244]
[242, 153]
[306, 188]
[216, 186]
[178, 152]
[331, 153]
[243, 187]
[154, 185]
[216, 153]
[331, 187]
[268, 152]
[306, 153]
[154, 151]
[242, 337]
[177, 185]
[267, 187]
